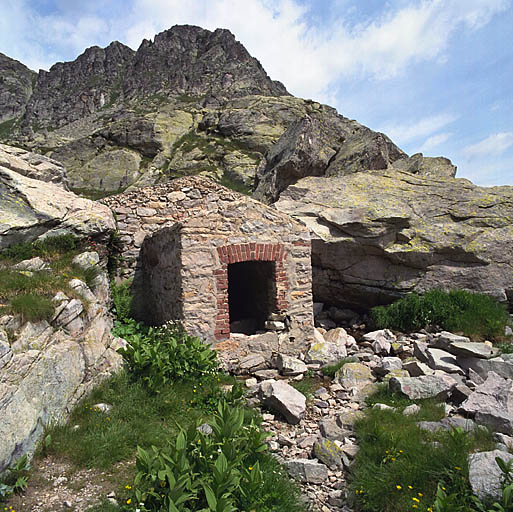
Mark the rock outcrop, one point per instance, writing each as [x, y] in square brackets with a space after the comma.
[381, 234]
[16, 84]
[30, 208]
[45, 368]
[192, 102]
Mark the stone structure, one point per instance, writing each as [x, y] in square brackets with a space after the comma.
[219, 262]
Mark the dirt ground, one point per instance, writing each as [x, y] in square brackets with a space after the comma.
[55, 485]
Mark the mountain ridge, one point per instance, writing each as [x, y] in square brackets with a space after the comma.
[192, 101]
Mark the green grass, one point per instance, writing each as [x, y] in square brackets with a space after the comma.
[307, 386]
[473, 314]
[29, 295]
[398, 461]
[138, 417]
[32, 308]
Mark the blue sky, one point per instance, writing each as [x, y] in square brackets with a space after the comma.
[434, 75]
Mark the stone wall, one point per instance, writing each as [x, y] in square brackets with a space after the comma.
[181, 237]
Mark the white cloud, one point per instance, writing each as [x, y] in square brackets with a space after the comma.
[308, 59]
[434, 141]
[403, 133]
[493, 144]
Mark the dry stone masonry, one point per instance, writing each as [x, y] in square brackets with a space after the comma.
[221, 263]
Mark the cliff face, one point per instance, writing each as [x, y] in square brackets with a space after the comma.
[16, 81]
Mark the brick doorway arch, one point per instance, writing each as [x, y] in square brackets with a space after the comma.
[238, 253]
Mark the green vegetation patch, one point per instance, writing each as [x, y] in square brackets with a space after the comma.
[29, 294]
[473, 314]
[399, 466]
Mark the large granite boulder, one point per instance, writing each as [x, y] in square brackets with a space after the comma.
[381, 234]
[30, 209]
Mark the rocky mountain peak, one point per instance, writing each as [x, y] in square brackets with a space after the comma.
[191, 60]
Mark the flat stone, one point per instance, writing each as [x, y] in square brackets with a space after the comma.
[290, 366]
[416, 369]
[31, 265]
[306, 470]
[428, 386]
[354, 375]
[411, 410]
[331, 430]
[441, 360]
[465, 424]
[252, 361]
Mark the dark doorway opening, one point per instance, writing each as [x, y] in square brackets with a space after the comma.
[251, 295]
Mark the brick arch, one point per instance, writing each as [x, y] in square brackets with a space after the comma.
[247, 252]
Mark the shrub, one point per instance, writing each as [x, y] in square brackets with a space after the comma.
[473, 314]
[14, 479]
[158, 355]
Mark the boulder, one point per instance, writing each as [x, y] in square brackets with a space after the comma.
[444, 361]
[327, 352]
[290, 366]
[416, 368]
[492, 404]
[485, 476]
[31, 209]
[354, 375]
[328, 453]
[283, 399]
[383, 233]
[33, 165]
[428, 386]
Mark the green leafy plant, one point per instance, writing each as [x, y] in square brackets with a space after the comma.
[473, 314]
[216, 470]
[159, 355]
[15, 479]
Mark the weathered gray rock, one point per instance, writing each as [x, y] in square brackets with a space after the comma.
[283, 399]
[33, 165]
[328, 453]
[462, 346]
[485, 475]
[331, 430]
[441, 360]
[428, 386]
[30, 209]
[252, 362]
[32, 265]
[388, 364]
[416, 368]
[326, 351]
[47, 374]
[492, 403]
[354, 375]
[466, 424]
[395, 233]
[411, 410]
[306, 470]
[86, 260]
[290, 366]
